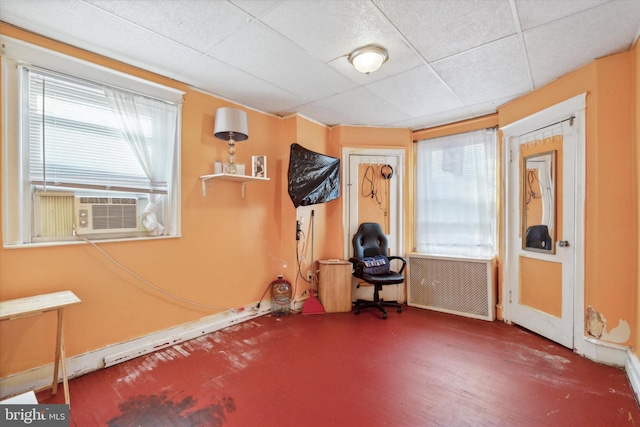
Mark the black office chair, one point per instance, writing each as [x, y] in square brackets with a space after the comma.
[371, 264]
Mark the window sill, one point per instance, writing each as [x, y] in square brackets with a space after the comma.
[80, 241]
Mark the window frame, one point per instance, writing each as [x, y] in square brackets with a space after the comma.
[454, 140]
[17, 196]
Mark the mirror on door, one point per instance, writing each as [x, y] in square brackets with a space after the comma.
[539, 202]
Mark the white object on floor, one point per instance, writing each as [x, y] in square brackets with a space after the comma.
[28, 398]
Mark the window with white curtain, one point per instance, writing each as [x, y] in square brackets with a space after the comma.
[455, 202]
[90, 160]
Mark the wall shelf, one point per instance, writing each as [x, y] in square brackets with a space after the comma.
[242, 179]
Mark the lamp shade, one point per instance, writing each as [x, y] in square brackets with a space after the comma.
[231, 123]
[369, 58]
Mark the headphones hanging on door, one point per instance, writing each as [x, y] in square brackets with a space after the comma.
[386, 171]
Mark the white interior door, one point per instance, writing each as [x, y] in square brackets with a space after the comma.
[541, 231]
[365, 185]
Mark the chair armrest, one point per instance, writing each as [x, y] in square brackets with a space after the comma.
[404, 262]
[356, 267]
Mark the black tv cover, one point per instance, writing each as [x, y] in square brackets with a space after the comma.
[313, 177]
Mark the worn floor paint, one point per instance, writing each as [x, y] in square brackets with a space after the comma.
[417, 368]
[158, 410]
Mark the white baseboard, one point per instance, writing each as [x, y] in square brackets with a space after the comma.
[632, 366]
[41, 376]
[603, 352]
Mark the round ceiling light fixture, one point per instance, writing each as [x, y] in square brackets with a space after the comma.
[369, 58]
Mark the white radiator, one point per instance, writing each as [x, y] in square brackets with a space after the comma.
[461, 286]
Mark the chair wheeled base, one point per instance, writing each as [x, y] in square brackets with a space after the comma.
[378, 303]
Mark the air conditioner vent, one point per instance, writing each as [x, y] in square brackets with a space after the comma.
[106, 214]
[53, 214]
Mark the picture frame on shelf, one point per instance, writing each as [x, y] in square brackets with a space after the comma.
[259, 166]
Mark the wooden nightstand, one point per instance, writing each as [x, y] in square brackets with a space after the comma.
[334, 285]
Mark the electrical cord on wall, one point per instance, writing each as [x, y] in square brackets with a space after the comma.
[298, 271]
[151, 285]
[299, 260]
[371, 179]
[262, 297]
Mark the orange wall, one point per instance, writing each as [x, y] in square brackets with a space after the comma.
[320, 234]
[610, 255]
[230, 250]
[636, 131]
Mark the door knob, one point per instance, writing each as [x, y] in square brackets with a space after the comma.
[563, 243]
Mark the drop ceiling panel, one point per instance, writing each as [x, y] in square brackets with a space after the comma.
[565, 45]
[344, 26]
[83, 25]
[214, 76]
[418, 92]
[261, 52]
[490, 107]
[440, 28]
[535, 13]
[199, 27]
[489, 72]
[357, 107]
[437, 119]
[322, 114]
[255, 7]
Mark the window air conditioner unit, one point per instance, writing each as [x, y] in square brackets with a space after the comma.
[98, 215]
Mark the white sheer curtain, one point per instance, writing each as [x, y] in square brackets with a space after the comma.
[150, 126]
[455, 210]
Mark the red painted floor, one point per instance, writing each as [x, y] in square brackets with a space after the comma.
[417, 368]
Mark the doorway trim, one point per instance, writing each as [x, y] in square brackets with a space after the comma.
[400, 153]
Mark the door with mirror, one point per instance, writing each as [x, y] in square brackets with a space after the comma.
[541, 230]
